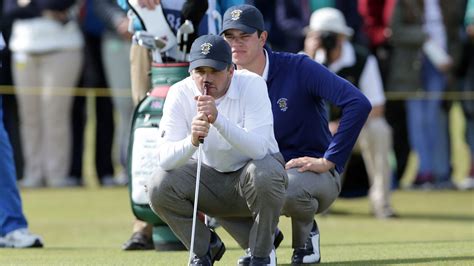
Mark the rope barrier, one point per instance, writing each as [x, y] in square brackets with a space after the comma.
[63, 91]
[125, 92]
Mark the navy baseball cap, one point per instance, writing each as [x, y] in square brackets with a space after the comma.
[246, 18]
[210, 51]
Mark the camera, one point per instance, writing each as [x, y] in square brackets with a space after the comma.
[328, 40]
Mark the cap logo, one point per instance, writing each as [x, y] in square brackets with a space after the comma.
[235, 14]
[206, 48]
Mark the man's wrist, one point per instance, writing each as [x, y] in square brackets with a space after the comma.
[328, 163]
[194, 142]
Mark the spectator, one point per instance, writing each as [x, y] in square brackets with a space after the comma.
[93, 78]
[443, 24]
[116, 58]
[407, 39]
[44, 36]
[140, 65]
[376, 15]
[13, 225]
[285, 21]
[468, 105]
[437, 22]
[328, 43]
[10, 105]
[353, 19]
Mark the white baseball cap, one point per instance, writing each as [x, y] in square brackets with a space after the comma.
[329, 19]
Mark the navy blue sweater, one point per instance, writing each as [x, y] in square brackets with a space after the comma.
[298, 86]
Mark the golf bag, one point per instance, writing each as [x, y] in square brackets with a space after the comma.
[142, 150]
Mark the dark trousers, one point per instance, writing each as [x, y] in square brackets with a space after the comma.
[396, 116]
[10, 117]
[93, 77]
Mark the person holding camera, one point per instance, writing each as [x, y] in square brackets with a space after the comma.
[327, 41]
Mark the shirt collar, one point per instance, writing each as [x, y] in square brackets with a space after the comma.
[267, 64]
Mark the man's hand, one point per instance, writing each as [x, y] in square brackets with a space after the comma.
[377, 111]
[207, 105]
[333, 126]
[149, 4]
[199, 128]
[122, 29]
[470, 31]
[317, 165]
[311, 44]
[61, 16]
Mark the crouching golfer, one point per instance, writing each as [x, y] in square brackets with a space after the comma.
[243, 180]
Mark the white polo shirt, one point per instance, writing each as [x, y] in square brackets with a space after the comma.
[243, 130]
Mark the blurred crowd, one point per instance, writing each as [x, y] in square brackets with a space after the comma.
[407, 56]
[422, 50]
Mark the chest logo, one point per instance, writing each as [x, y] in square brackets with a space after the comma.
[283, 104]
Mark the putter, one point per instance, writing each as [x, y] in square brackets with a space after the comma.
[183, 33]
[196, 192]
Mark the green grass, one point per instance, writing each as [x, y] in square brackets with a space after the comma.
[87, 227]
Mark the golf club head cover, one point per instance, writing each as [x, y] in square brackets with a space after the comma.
[155, 23]
[193, 10]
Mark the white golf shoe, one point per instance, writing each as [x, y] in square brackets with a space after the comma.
[310, 254]
[21, 238]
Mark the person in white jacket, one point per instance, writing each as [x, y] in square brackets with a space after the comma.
[46, 45]
[243, 180]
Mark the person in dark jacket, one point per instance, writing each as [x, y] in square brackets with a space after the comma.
[298, 87]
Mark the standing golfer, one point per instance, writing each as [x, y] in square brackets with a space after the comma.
[297, 87]
[243, 180]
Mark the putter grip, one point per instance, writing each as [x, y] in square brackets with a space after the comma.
[201, 140]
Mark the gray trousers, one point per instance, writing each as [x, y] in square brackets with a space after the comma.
[247, 203]
[116, 58]
[308, 193]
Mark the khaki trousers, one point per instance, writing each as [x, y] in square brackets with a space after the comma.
[140, 65]
[44, 83]
[375, 142]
